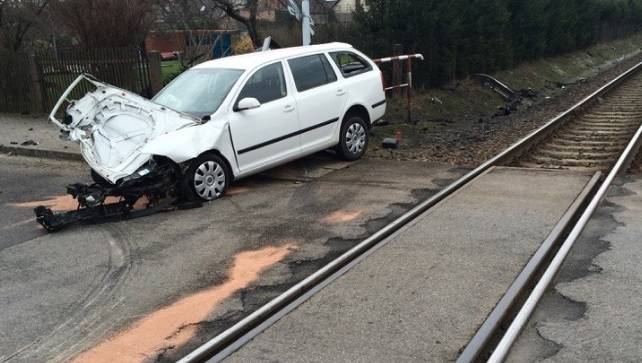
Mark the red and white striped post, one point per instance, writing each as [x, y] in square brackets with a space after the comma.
[408, 58]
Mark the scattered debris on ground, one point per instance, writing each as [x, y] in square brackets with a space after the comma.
[470, 124]
[29, 142]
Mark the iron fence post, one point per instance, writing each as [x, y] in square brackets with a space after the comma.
[37, 94]
[397, 68]
[155, 78]
[409, 89]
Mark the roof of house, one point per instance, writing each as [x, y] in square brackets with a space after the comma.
[332, 3]
[251, 60]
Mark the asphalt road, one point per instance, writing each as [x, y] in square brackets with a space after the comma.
[592, 311]
[155, 287]
[422, 295]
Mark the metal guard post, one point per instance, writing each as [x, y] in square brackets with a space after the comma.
[408, 58]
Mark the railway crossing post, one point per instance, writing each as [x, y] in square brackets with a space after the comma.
[398, 85]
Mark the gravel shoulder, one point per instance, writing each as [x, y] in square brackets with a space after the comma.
[473, 137]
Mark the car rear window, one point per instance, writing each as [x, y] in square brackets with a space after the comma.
[311, 71]
[350, 64]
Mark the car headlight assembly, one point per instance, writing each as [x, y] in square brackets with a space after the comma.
[143, 171]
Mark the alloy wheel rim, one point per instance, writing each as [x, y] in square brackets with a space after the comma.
[209, 180]
[356, 138]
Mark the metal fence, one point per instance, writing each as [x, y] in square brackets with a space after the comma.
[15, 83]
[34, 82]
[126, 68]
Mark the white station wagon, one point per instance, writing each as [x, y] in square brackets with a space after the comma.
[229, 118]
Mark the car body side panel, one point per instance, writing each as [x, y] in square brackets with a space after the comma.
[188, 143]
[319, 110]
[366, 90]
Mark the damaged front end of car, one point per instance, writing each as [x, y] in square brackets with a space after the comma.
[112, 126]
[153, 188]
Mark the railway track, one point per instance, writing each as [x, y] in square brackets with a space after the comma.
[599, 134]
[592, 140]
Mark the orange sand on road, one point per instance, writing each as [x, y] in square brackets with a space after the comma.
[58, 203]
[63, 203]
[237, 190]
[341, 216]
[175, 324]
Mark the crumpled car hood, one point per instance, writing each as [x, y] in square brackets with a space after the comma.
[113, 125]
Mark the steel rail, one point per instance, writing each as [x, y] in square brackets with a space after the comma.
[490, 326]
[507, 341]
[250, 322]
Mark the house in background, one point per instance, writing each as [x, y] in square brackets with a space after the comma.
[319, 9]
[171, 43]
[343, 6]
[343, 9]
[273, 17]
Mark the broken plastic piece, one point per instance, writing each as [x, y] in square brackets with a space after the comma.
[390, 143]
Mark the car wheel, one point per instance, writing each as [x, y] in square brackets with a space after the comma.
[353, 141]
[207, 177]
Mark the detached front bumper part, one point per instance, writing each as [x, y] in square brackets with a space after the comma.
[93, 209]
[158, 190]
[52, 221]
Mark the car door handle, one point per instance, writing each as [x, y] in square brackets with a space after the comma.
[341, 92]
[288, 108]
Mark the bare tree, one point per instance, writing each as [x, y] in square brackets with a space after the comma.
[191, 14]
[242, 11]
[197, 14]
[245, 12]
[17, 18]
[105, 23]
[184, 14]
[193, 19]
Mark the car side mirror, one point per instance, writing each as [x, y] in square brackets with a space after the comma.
[248, 103]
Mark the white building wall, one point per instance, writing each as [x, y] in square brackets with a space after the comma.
[345, 6]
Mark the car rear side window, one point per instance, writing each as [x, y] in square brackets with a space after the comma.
[266, 85]
[311, 71]
[350, 64]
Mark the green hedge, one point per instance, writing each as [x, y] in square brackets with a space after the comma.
[460, 37]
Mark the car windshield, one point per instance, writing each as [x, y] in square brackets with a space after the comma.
[198, 92]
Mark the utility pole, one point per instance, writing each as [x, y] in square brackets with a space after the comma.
[307, 28]
[302, 14]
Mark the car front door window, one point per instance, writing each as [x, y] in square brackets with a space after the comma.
[266, 85]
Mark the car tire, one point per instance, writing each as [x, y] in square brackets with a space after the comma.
[353, 138]
[207, 178]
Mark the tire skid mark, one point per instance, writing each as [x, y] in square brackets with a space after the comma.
[174, 325]
[18, 224]
[106, 318]
[75, 307]
[86, 315]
